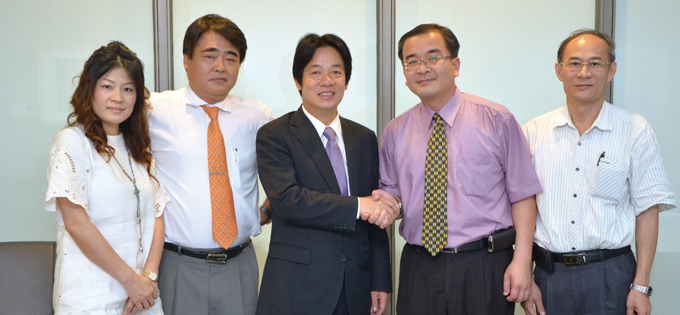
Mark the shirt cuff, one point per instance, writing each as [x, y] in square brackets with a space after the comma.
[358, 208]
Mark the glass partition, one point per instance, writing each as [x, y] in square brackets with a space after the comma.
[45, 45]
[646, 83]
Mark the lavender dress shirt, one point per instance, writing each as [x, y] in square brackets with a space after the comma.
[489, 167]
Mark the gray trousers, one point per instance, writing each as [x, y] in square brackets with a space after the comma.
[599, 288]
[192, 286]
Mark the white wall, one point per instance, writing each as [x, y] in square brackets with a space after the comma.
[44, 45]
[646, 83]
[273, 29]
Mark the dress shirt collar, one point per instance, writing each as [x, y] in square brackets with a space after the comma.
[190, 98]
[320, 127]
[448, 111]
[602, 122]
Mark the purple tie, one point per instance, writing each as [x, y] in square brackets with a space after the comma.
[334, 153]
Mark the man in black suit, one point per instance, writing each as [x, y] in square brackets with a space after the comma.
[329, 250]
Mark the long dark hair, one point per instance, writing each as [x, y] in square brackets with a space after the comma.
[136, 128]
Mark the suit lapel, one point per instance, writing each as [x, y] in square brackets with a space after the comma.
[353, 151]
[303, 130]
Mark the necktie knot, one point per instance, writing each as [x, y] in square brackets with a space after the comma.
[437, 119]
[329, 133]
[211, 111]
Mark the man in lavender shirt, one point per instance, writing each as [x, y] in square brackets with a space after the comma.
[490, 185]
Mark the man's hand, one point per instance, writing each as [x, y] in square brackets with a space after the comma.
[263, 217]
[534, 299]
[393, 201]
[378, 302]
[638, 303]
[380, 208]
[517, 281]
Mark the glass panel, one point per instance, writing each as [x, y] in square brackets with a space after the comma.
[273, 29]
[646, 83]
[45, 46]
[508, 51]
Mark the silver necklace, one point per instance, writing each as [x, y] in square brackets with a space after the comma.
[136, 192]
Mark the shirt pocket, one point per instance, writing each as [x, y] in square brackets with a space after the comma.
[610, 180]
[477, 174]
[235, 169]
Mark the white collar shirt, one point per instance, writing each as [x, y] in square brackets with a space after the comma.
[596, 184]
[179, 130]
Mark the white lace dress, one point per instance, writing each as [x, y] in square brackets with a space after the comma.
[76, 171]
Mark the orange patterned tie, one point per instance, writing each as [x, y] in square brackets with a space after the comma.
[224, 227]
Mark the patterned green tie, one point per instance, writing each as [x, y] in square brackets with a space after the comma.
[435, 223]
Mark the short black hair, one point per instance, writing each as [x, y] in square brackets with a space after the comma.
[452, 43]
[583, 31]
[308, 45]
[220, 25]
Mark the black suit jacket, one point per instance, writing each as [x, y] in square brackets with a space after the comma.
[316, 241]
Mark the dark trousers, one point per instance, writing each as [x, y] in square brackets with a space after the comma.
[455, 284]
[600, 288]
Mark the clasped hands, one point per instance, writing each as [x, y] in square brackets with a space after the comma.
[142, 294]
[380, 208]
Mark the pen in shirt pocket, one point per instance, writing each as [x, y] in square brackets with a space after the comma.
[601, 157]
[235, 158]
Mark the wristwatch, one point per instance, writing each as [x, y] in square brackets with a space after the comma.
[151, 275]
[642, 289]
[266, 212]
[401, 207]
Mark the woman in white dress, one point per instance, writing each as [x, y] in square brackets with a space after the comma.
[108, 202]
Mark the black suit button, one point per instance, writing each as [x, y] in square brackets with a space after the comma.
[343, 258]
[344, 226]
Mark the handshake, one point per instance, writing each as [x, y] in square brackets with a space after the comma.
[380, 208]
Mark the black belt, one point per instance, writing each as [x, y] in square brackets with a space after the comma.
[591, 256]
[216, 256]
[469, 247]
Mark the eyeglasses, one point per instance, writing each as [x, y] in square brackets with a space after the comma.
[431, 62]
[576, 66]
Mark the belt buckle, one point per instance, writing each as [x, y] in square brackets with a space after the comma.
[217, 258]
[449, 250]
[575, 259]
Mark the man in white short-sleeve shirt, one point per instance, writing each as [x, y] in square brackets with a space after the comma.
[604, 184]
[197, 274]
